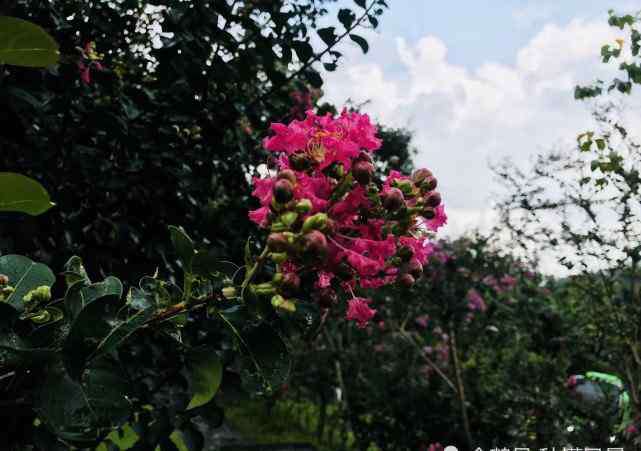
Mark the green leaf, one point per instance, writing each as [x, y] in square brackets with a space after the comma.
[23, 43]
[205, 374]
[360, 3]
[184, 247]
[81, 294]
[98, 331]
[74, 271]
[328, 35]
[267, 363]
[360, 41]
[303, 50]
[24, 276]
[346, 17]
[15, 351]
[83, 411]
[22, 194]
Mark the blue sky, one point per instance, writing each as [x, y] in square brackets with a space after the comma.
[477, 81]
[480, 30]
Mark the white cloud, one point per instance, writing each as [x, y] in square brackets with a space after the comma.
[462, 118]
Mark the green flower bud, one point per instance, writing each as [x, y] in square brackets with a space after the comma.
[264, 288]
[278, 278]
[304, 206]
[315, 222]
[40, 294]
[404, 185]
[229, 292]
[289, 218]
[278, 227]
[278, 257]
[281, 303]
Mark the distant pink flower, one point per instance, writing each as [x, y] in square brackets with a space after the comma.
[631, 430]
[358, 310]
[85, 73]
[475, 301]
[435, 447]
[508, 281]
[324, 279]
[422, 320]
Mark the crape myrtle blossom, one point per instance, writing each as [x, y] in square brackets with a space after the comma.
[331, 220]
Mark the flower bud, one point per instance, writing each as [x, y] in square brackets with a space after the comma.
[266, 288]
[40, 294]
[300, 161]
[420, 175]
[429, 184]
[393, 199]
[315, 222]
[287, 174]
[7, 291]
[277, 242]
[281, 303]
[278, 257]
[429, 213]
[229, 292]
[283, 191]
[289, 218]
[406, 280]
[314, 245]
[304, 206]
[415, 268]
[4, 280]
[433, 199]
[290, 284]
[363, 171]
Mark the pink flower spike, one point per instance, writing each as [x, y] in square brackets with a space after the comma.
[359, 311]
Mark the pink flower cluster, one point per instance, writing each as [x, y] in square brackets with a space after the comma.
[505, 283]
[331, 219]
